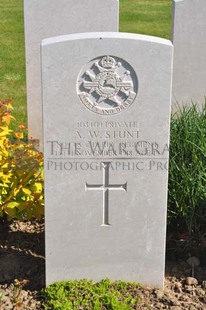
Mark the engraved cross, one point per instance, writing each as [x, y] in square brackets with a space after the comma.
[105, 187]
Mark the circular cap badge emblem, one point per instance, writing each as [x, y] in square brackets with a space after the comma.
[107, 85]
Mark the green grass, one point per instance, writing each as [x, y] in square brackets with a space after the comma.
[138, 16]
[151, 17]
[12, 58]
[187, 173]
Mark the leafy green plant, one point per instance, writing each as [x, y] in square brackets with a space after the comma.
[85, 294]
[187, 174]
[21, 171]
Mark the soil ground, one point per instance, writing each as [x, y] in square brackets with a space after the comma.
[22, 257]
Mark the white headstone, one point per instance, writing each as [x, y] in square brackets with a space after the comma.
[106, 107]
[189, 40]
[48, 18]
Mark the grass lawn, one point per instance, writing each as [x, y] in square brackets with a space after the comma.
[151, 17]
[12, 59]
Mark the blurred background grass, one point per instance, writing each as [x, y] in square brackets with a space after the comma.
[152, 17]
[12, 56]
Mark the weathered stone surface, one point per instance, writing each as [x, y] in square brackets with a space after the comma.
[48, 18]
[189, 40]
[106, 102]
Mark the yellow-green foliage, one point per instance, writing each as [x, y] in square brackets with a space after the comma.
[21, 171]
[84, 294]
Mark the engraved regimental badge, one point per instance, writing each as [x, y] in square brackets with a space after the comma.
[107, 85]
